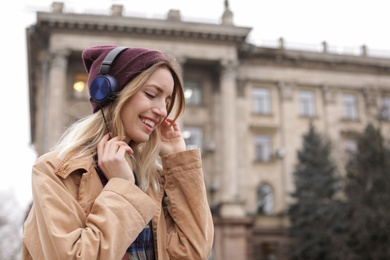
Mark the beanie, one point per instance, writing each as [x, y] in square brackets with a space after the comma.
[126, 66]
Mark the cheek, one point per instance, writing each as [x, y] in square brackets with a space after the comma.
[127, 115]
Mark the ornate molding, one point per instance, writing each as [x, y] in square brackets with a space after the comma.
[329, 93]
[287, 90]
[370, 94]
[228, 68]
[59, 58]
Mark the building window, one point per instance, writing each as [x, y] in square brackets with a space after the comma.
[193, 137]
[263, 148]
[265, 199]
[306, 102]
[350, 106]
[192, 92]
[385, 109]
[261, 100]
[80, 87]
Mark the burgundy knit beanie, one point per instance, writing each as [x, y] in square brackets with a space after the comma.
[126, 66]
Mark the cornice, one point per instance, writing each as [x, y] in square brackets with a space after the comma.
[315, 60]
[47, 22]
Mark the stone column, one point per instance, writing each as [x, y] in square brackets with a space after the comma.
[180, 63]
[230, 207]
[55, 99]
[287, 129]
[330, 108]
[372, 108]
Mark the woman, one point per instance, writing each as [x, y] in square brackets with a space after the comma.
[101, 193]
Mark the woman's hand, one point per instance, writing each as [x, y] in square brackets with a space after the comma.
[171, 139]
[111, 158]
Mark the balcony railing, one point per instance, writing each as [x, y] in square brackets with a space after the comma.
[323, 47]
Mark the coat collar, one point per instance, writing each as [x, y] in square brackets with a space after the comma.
[70, 164]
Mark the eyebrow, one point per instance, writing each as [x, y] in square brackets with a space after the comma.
[159, 89]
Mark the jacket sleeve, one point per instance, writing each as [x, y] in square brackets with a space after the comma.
[58, 228]
[189, 221]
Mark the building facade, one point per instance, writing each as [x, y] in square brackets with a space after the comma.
[248, 106]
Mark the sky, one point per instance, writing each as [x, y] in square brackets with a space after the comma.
[342, 23]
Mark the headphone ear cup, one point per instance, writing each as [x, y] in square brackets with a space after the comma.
[104, 89]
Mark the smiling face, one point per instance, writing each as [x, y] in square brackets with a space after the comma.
[147, 108]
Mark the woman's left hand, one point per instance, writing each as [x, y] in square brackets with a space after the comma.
[171, 138]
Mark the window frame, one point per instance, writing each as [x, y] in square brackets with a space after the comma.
[307, 103]
[261, 206]
[350, 107]
[261, 100]
[385, 109]
[263, 143]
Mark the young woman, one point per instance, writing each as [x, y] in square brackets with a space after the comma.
[120, 184]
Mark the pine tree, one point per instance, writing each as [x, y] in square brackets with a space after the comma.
[314, 213]
[368, 193]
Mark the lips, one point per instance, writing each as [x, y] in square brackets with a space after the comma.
[148, 122]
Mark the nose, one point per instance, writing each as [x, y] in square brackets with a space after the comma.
[160, 109]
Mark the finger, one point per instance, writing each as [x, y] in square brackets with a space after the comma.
[114, 146]
[113, 154]
[124, 146]
[165, 124]
[172, 126]
[123, 149]
[176, 127]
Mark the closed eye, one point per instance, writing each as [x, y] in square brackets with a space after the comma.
[150, 95]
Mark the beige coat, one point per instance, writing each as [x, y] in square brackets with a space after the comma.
[74, 217]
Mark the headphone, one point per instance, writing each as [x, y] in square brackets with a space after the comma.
[104, 88]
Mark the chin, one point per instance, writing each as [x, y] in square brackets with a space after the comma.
[141, 139]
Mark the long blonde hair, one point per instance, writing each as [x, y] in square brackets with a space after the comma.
[82, 137]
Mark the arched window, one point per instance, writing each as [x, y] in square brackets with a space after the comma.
[265, 199]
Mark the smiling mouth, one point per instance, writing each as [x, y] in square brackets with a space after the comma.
[148, 122]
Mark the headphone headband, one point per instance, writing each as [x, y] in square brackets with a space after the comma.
[109, 59]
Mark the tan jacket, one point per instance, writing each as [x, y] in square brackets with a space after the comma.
[74, 217]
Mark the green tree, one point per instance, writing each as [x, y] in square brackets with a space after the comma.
[368, 194]
[314, 214]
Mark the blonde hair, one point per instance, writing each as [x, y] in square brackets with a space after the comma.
[82, 137]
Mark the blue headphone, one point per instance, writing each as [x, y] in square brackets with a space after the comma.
[104, 88]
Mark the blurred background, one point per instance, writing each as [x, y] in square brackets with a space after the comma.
[288, 100]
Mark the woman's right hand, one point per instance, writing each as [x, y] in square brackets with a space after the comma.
[111, 158]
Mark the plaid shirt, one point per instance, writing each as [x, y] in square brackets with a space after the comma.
[143, 246]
